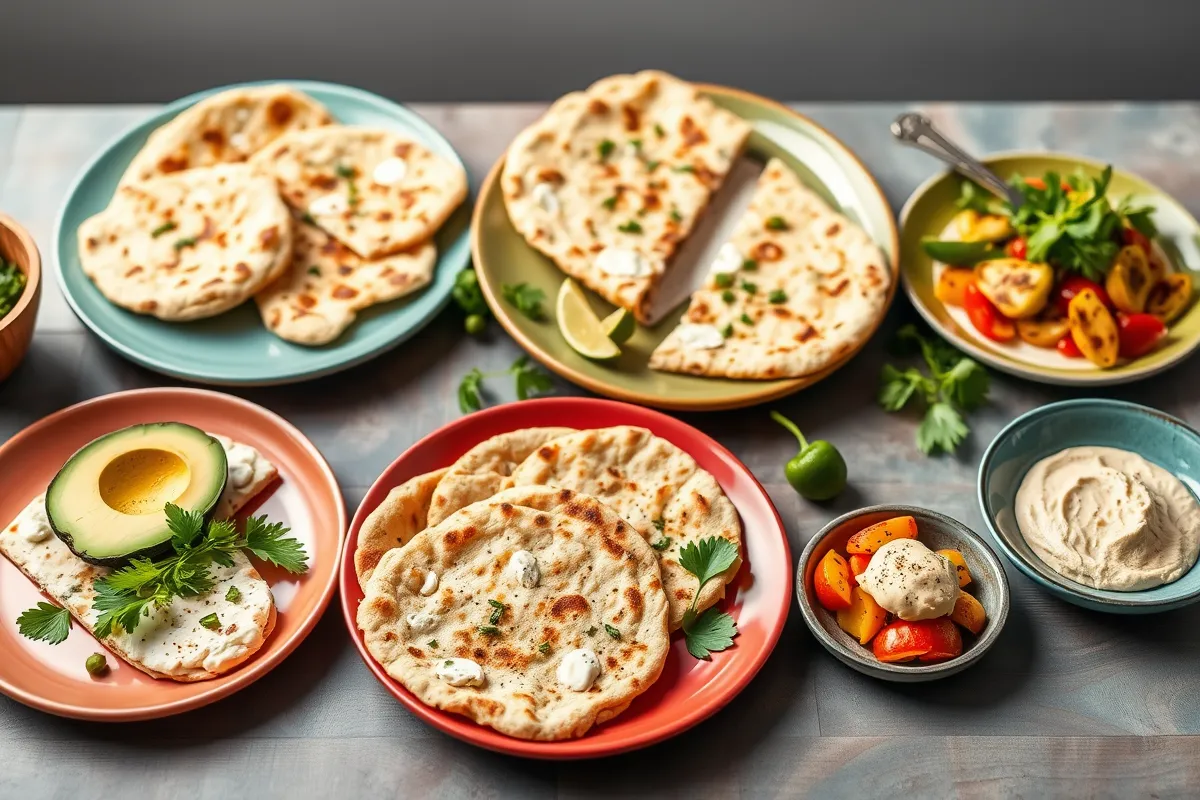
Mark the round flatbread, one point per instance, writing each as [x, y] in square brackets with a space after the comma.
[320, 295]
[227, 127]
[818, 289]
[401, 516]
[373, 190]
[656, 487]
[485, 469]
[596, 588]
[610, 180]
[189, 245]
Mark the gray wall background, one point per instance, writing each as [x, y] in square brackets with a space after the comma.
[466, 50]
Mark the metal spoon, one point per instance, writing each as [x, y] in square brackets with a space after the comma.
[916, 130]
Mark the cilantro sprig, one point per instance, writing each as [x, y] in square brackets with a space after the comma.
[45, 623]
[955, 385]
[529, 381]
[125, 596]
[712, 631]
[12, 284]
[526, 299]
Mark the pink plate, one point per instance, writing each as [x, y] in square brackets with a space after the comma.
[307, 499]
[689, 690]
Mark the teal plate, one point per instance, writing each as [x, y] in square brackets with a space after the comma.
[1157, 437]
[235, 348]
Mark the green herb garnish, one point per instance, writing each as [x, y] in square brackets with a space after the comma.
[723, 280]
[662, 544]
[728, 296]
[526, 299]
[544, 648]
[124, 596]
[348, 174]
[659, 524]
[432, 644]
[749, 265]
[187, 241]
[166, 227]
[777, 296]
[711, 631]
[955, 385]
[308, 219]
[211, 622]
[727, 331]
[591, 631]
[530, 381]
[489, 630]
[632, 226]
[777, 224]
[314, 271]
[45, 623]
[611, 631]
[652, 165]
[676, 216]
[606, 148]
[683, 168]
[12, 284]
[658, 131]
[748, 286]
[610, 202]
[498, 609]
[233, 595]
[746, 319]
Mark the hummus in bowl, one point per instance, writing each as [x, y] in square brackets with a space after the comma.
[1108, 518]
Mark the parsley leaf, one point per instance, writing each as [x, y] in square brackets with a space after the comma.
[661, 544]
[711, 632]
[897, 387]
[266, 541]
[942, 427]
[468, 391]
[526, 299]
[530, 380]
[185, 527]
[45, 623]
[708, 558]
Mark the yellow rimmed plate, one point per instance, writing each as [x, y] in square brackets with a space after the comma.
[502, 256]
[929, 212]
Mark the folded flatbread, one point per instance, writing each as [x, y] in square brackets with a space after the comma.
[402, 515]
[170, 642]
[612, 179]
[227, 127]
[798, 288]
[485, 614]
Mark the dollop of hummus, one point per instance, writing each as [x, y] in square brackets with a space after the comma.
[911, 581]
[1109, 519]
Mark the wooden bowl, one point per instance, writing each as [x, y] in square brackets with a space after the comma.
[16, 327]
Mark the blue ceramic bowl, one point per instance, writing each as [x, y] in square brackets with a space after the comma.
[1155, 436]
[235, 348]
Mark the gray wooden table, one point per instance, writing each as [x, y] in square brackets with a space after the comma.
[1069, 702]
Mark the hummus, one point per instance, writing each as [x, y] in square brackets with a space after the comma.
[911, 581]
[1109, 519]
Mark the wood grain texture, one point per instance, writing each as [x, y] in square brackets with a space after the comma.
[1069, 702]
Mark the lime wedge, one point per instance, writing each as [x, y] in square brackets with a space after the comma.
[619, 326]
[580, 326]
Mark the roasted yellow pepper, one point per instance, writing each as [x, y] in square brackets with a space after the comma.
[1170, 296]
[951, 286]
[1093, 329]
[976, 227]
[1130, 279]
[1043, 332]
[1018, 288]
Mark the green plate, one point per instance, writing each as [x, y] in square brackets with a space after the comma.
[235, 348]
[502, 256]
[929, 212]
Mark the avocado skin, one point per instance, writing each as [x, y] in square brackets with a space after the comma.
[159, 547]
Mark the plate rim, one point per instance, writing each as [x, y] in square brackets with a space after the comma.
[1062, 586]
[777, 389]
[1008, 365]
[567, 749]
[243, 675]
[168, 112]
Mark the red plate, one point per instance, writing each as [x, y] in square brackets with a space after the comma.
[689, 690]
[307, 499]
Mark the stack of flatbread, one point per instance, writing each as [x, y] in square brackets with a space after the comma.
[612, 179]
[258, 193]
[532, 586]
[172, 643]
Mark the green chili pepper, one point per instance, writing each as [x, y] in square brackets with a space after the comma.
[960, 254]
[817, 471]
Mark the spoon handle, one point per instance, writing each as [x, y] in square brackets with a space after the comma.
[917, 130]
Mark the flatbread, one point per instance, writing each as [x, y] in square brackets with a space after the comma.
[656, 487]
[227, 127]
[594, 572]
[171, 643]
[401, 515]
[327, 284]
[485, 469]
[189, 245]
[670, 148]
[834, 277]
[375, 191]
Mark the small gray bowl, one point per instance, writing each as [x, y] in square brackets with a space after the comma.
[989, 585]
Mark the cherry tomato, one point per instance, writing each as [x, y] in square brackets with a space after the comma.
[1067, 347]
[986, 318]
[1139, 333]
[1134, 236]
[1018, 248]
[1074, 285]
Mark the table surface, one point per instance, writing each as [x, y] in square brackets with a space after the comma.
[1069, 702]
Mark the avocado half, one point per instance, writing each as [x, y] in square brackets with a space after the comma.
[108, 501]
